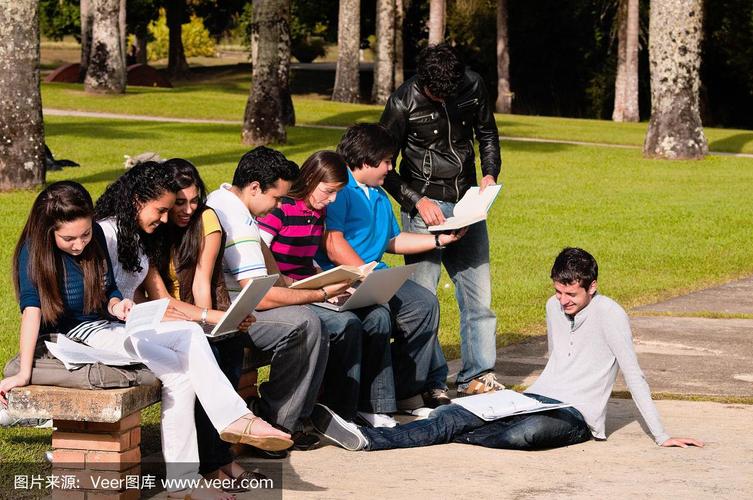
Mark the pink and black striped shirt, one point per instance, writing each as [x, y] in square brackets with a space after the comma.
[293, 233]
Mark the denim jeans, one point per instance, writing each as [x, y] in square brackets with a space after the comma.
[454, 424]
[417, 359]
[291, 340]
[213, 451]
[467, 263]
[359, 369]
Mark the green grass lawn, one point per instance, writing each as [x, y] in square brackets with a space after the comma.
[225, 99]
[657, 228]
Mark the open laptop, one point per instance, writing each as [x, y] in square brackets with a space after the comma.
[377, 288]
[243, 305]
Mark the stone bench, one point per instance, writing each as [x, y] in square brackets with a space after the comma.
[98, 432]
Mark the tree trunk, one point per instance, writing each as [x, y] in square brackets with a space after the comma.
[675, 130]
[87, 19]
[141, 49]
[123, 31]
[106, 72]
[288, 112]
[504, 95]
[399, 71]
[384, 65]
[175, 10]
[437, 16]
[348, 43]
[21, 127]
[626, 83]
[262, 121]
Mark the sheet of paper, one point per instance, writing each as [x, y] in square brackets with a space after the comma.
[472, 207]
[146, 316]
[500, 404]
[73, 354]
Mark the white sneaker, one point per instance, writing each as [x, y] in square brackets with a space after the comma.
[378, 419]
[345, 434]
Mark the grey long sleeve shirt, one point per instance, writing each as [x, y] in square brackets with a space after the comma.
[584, 354]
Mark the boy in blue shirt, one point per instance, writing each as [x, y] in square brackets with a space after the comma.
[360, 227]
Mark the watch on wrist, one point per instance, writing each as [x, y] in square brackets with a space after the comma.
[326, 295]
[437, 244]
[204, 313]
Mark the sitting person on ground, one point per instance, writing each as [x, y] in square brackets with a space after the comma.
[358, 381]
[189, 273]
[286, 334]
[360, 228]
[589, 338]
[65, 283]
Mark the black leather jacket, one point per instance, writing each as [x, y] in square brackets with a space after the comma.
[436, 141]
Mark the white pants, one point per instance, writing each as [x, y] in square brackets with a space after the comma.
[179, 355]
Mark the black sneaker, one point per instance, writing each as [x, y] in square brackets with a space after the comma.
[434, 398]
[304, 441]
[332, 426]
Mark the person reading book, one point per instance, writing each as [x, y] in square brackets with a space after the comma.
[360, 228]
[64, 282]
[358, 381]
[589, 338]
[435, 117]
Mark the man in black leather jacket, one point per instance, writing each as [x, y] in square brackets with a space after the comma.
[434, 117]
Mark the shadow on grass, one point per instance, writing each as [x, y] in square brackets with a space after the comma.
[732, 144]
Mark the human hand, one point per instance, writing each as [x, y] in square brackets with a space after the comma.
[682, 442]
[446, 239]
[122, 309]
[172, 313]
[246, 323]
[429, 212]
[336, 289]
[486, 181]
[9, 383]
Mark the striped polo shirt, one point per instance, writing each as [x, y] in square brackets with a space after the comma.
[293, 232]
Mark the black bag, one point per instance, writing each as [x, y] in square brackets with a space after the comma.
[48, 370]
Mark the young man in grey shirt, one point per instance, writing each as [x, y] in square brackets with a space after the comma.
[589, 339]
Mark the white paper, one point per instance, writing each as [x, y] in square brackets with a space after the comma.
[74, 354]
[146, 316]
[473, 207]
[504, 403]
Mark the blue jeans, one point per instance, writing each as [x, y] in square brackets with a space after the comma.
[213, 451]
[359, 369]
[454, 424]
[417, 359]
[467, 263]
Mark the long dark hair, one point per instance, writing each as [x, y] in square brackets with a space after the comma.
[122, 200]
[60, 202]
[183, 244]
[322, 166]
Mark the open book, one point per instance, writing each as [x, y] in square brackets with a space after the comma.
[504, 403]
[334, 275]
[473, 207]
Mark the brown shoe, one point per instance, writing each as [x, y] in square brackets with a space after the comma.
[480, 385]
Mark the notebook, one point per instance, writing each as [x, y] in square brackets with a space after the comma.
[377, 288]
[243, 305]
[473, 207]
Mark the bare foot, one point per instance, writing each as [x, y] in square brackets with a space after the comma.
[252, 430]
[259, 427]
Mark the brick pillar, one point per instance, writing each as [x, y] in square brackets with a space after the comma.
[101, 457]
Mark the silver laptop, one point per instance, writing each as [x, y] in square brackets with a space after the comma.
[377, 288]
[243, 305]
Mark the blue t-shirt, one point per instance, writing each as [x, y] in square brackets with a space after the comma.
[367, 223]
[72, 286]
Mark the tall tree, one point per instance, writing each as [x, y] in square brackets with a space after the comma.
[437, 21]
[626, 82]
[504, 95]
[106, 72]
[348, 40]
[675, 130]
[87, 20]
[400, 8]
[21, 128]
[263, 121]
[384, 65]
[176, 12]
[283, 71]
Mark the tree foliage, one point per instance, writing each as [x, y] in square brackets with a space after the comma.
[59, 18]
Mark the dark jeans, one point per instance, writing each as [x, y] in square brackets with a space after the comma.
[417, 359]
[454, 424]
[213, 451]
[359, 369]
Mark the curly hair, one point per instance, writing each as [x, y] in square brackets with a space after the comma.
[366, 144]
[122, 201]
[440, 70]
[265, 166]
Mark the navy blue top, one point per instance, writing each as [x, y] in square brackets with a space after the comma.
[71, 283]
